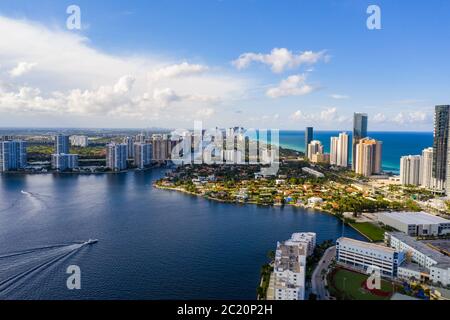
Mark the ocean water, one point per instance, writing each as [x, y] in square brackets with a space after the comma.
[395, 144]
[153, 244]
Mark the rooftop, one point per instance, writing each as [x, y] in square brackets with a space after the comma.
[366, 245]
[415, 217]
[441, 259]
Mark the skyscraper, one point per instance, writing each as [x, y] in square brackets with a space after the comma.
[309, 136]
[342, 150]
[116, 156]
[426, 168]
[334, 141]
[62, 144]
[368, 157]
[129, 141]
[13, 155]
[410, 170]
[440, 145]
[142, 154]
[359, 132]
[314, 147]
[62, 162]
[162, 147]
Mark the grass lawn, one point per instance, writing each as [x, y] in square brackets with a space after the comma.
[373, 232]
[349, 285]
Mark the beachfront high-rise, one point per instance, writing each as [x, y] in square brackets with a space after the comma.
[368, 157]
[314, 147]
[339, 150]
[116, 156]
[426, 168]
[13, 155]
[142, 154]
[309, 136]
[410, 170]
[62, 144]
[359, 132]
[440, 146]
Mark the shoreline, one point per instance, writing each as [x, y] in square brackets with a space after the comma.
[254, 203]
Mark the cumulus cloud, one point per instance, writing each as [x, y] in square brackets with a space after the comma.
[21, 69]
[403, 118]
[292, 86]
[339, 96]
[75, 78]
[280, 59]
[326, 115]
[177, 70]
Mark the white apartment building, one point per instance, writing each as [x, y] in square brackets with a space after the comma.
[368, 157]
[410, 170]
[426, 168]
[289, 272]
[79, 141]
[62, 161]
[307, 239]
[314, 147]
[362, 255]
[415, 223]
[437, 263]
[339, 150]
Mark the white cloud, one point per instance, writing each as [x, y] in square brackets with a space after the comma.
[403, 118]
[177, 70]
[280, 59]
[339, 96]
[75, 79]
[292, 86]
[21, 69]
[328, 115]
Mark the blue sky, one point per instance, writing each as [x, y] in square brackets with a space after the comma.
[396, 74]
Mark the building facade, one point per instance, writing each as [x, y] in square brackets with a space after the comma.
[368, 157]
[363, 255]
[63, 162]
[79, 141]
[314, 147]
[440, 146]
[116, 156]
[309, 136]
[129, 141]
[360, 121]
[62, 144]
[426, 168]
[410, 170]
[416, 223]
[142, 154]
[13, 155]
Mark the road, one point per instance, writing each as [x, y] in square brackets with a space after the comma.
[317, 285]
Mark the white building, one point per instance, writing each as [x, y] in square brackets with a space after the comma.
[314, 147]
[116, 156]
[334, 141]
[314, 201]
[313, 172]
[79, 141]
[426, 168]
[437, 263]
[13, 155]
[410, 170]
[62, 161]
[342, 150]
[415, 223]
[307, 239]
[362, 255]
[289, 272]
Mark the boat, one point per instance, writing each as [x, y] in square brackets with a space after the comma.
[91, 241]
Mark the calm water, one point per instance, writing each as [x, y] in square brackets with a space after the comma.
[395, 144]
[154, 244]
